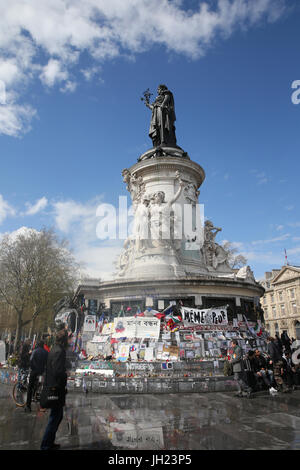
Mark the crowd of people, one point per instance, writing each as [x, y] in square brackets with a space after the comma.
[273, 370]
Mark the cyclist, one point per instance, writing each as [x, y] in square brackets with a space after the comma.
[38, 362]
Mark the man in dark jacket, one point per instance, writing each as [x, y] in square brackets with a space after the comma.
[56, 376]
[38, 362]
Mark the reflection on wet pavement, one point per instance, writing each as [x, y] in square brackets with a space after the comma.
[160, 422]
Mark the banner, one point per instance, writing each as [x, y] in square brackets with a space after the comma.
[140, 327]
[209, 316]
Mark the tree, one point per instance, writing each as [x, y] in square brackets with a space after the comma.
[235, 261]
[36, 268]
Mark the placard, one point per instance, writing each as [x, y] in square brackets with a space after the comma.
[123, 352]
[89, 323]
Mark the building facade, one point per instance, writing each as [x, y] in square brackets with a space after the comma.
[281, 301]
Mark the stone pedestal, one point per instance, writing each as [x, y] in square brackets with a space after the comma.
[167, 238]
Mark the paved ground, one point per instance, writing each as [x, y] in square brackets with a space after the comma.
[160, 422]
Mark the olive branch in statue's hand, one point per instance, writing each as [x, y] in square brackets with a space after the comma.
[146, 97]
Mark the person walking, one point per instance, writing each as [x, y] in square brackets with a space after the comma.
[38, 362]
[56, 376]
[238, 370]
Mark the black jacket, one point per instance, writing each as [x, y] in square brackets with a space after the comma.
[38, 361]
[260, 363]
[56, 375]
[24, 361]
[274, 352]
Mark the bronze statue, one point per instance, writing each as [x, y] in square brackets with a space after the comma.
[162, 129]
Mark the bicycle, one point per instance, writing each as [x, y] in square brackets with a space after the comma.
[19, 392]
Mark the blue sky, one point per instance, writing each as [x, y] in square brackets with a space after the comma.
[72, 117]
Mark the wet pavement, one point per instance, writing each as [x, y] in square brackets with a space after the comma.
[204, 421]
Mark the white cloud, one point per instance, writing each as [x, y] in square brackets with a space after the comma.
[53, 72]
[271, 240]
[78, 221]
[37, 207]
[15, 119]
[5, 209]
[45, 39]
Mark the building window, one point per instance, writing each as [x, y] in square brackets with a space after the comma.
[294, 308]
[282, 309]
[272, 298]
[292, 293]
[274, 312]
[280, 296]
[265, 300]
[265, 312]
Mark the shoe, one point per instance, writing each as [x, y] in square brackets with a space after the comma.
[249, 395]
[238, 394]
[27, 409]
[273, 390]
[55, 447]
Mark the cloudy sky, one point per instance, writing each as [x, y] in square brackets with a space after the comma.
[71, 76]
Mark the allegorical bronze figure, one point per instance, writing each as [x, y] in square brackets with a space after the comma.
[162, 129]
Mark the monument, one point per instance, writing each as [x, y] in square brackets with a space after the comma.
[171, 255]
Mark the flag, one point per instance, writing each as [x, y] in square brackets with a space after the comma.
[176, 319]
[151, 311]
[141, 314]
[168, 310]
[285, 255]
[159, 315]
[172, 326]
[256, 331]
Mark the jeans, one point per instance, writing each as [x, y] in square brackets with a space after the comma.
[267, 377]
[55, 418]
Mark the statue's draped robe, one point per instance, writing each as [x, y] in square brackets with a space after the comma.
[162, 129]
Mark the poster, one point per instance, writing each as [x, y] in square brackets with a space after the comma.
[149, 354]
[108, 328]
[210, 316]
[123, 352]
[89, 323]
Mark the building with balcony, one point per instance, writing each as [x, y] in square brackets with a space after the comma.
[281, 301]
